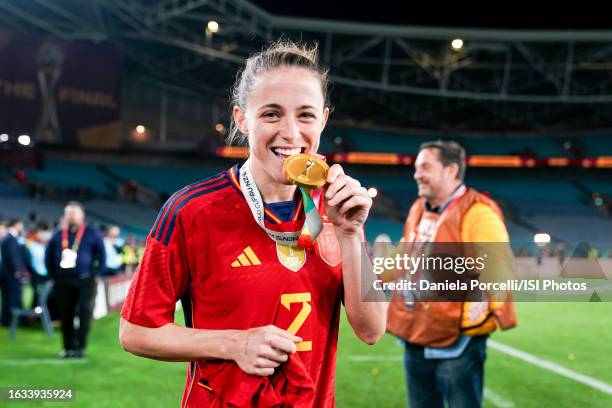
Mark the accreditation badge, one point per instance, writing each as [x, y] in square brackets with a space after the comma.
[69, 258]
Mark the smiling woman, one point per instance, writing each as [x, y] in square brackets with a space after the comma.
[280, 107]
[262, 303]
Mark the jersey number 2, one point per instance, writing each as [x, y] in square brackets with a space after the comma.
[303, 298]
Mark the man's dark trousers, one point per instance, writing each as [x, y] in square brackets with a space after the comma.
[75, 296]
[11, 298]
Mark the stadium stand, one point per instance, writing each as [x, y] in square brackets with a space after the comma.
[534, 200]
[72, 174]
[541, 146]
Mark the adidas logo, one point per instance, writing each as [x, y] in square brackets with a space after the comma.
[246, 258]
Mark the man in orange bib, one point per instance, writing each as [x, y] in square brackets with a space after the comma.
[445, 342]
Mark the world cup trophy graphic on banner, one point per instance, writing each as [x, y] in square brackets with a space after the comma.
[50, 59]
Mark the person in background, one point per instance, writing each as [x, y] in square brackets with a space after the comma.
[36, 245]
[140, 247]
[74, 257]
[129, 253]
[12, 269]
[3, 231]
[560, 252]
[445, 342]
[32, 221]
[114, 246]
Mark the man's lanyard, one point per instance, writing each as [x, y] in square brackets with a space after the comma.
[77, 238]
[310, 229]
[459, 191]
[456, 195]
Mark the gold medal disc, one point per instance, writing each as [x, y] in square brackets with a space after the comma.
[305, 170]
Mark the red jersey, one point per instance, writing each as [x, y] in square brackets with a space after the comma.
[207, 249]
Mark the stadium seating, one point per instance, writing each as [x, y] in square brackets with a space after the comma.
[133, 218]
[102, 179]
[72, 174]
[534, 200]
[22, 207]
[379, 141]
[161, 179]
[377, 226]
[7, 190]
[574, 228]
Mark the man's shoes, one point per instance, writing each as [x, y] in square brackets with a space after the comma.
[79, 353]
[66, 354]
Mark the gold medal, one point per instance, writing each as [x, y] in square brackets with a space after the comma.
[305, 170]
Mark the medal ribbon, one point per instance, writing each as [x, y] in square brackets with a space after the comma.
[312, 224]
[77, 238]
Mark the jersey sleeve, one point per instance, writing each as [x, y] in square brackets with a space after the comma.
[159, 281]
[483, 227]
[482, 224]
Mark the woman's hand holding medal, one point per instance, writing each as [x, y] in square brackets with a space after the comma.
[347, 202]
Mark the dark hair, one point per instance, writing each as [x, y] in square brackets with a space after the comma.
[449, 152]
[42, 225]
[278, 54]
[13, 222]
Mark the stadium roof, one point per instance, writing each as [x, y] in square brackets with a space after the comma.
[386, 73]
[510, 15]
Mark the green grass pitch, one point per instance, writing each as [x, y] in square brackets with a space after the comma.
[577, 336]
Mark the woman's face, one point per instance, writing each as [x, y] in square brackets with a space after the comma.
[285, 114]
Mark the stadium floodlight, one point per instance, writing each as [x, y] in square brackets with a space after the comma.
[24, 140]
[140, 129]
[541, 239]
[372, 192]
[212, 26]
[4, 138]
[457, 44]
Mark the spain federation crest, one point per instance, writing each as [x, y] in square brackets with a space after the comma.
[329, 247]
[292, 258]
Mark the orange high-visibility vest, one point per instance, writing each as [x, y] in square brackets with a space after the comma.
[439, 324]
